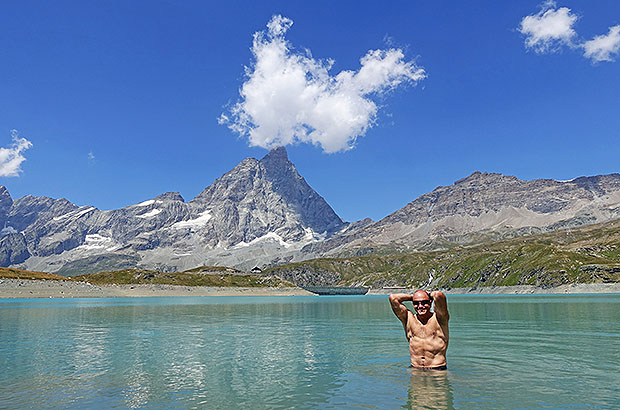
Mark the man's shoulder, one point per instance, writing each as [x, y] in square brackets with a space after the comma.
[439, 322]
[412, 318]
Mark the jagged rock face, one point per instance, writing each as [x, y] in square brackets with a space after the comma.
[263, 212]
[494, 204]
[32, 211]
[256, 213]
[5, 205]
[33, 217]
[13, 249]
[483, 192]
[308, 276]
[261, 197]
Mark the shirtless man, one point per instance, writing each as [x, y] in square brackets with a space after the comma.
[426, 331]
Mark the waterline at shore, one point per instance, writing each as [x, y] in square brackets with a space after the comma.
[22, 288]
[520, 289]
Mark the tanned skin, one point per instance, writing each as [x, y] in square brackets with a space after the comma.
[426, 331]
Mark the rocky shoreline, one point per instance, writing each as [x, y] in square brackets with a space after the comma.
[518, 290]
[23, 288]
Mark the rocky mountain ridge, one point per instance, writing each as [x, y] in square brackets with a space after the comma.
[255, 213]
[485, 206]
[263, 213]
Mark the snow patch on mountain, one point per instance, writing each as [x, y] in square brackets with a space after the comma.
[149, 214]
[198, 222]
[75, 214]
[145, 203]
[271, 236]
[96, 242]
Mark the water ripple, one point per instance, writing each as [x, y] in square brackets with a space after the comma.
[305, 353]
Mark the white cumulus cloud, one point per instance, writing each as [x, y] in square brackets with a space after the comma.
[552, 27]
[549, 29]
[291, 97]
[11, 158]
[603, 47]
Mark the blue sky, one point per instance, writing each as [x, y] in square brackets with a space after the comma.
[121, 99]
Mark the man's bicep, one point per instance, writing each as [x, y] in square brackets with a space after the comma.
[399, 309]
[403, 315]
[441, 306]
[442, 316]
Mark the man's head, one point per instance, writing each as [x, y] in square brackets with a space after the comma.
[422, 303]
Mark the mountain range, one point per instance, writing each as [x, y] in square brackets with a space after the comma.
[264, 213]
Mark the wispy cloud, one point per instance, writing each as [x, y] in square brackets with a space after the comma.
[603, 47]
[91, 157]
[11, 158]
[291, 97]
[552, 28]
[549, 29]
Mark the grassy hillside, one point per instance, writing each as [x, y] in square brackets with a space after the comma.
[587, 255]
[99, 263]
[11, 273]
[203, 276]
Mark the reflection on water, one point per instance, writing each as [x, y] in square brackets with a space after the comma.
[430, 389]
[257, 355]
[305, 352]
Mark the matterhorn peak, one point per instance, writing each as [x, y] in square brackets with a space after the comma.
[277, 154]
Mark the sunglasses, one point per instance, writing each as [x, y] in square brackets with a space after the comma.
[421, 302]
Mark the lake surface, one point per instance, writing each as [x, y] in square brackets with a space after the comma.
[307, 352]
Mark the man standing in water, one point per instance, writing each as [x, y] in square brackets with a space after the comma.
[427, 332]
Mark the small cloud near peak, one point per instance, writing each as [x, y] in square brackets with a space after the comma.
[12, 157]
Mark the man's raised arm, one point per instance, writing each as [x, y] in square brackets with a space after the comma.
[400, 310]
[441, 306]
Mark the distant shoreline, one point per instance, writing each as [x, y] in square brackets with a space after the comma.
[519, 289]
[24, 288]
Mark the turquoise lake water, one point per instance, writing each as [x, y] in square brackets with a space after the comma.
[513, 352]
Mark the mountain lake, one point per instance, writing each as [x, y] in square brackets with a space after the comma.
[306, 352]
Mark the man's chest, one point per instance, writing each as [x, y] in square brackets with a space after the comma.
[419, 330]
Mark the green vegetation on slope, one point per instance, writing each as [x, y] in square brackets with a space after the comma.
[204, 276]
[587, 255]
[213, 276]
[99, 263]
[11, 273]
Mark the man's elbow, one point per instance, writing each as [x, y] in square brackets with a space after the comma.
[396, 300]
[438, 294]
[393, 300]
[398, 297]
